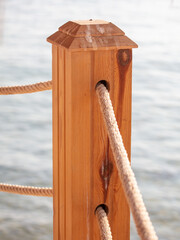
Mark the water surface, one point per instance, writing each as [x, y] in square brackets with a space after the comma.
[25, 120]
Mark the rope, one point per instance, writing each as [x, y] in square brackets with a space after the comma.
[37, 87]
[143, 223]
[24, 190]
[104, 227]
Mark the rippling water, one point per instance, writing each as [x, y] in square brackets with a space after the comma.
[25, 120]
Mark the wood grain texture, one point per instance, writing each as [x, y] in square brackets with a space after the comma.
[84, 170]
[55, 100]
[90, 22]
[120, 94]
[92, 27]
[78, 36]
[83, 161]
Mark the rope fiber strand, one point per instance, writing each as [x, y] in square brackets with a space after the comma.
[141, 217]
[24, 190]
[37, 87]
[104, 227]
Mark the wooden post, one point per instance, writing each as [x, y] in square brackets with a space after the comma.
[84, 171]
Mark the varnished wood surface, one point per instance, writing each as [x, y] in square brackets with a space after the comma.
[91, 27]
[84, 171]
[94, 35]
[56, 156]
[90, 22]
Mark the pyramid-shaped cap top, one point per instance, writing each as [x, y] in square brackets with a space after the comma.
[90, 35]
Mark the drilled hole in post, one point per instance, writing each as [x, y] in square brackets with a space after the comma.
[105, 83]
[104, 206]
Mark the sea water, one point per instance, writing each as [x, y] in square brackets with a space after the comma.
[25, 120]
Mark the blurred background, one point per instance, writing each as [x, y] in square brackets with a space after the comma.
[25, 120]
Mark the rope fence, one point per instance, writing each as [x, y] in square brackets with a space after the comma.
[104, 227]
[141, 217]
[37, 87]
[26, 190]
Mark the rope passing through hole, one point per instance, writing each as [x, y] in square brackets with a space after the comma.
[141, 217]
[26, 190]
[104, 227]
[31, 88]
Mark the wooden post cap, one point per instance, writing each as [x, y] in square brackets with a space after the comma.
[91, 35]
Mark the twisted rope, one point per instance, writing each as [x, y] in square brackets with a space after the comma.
[104, 227]
[37, 87]
[24, 190]
[141, 217]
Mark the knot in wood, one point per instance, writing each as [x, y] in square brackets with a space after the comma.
[124, 56]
